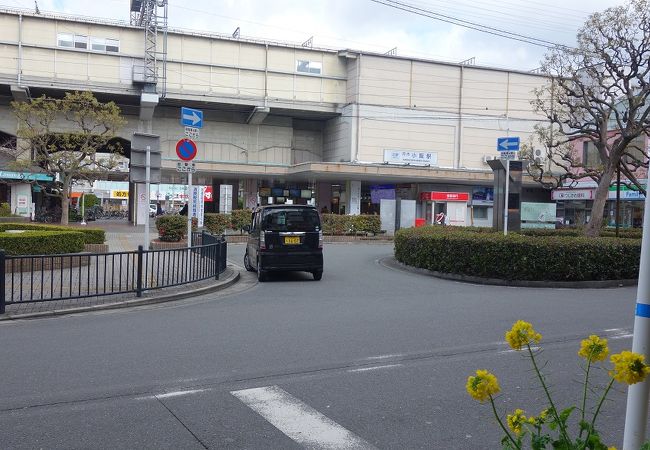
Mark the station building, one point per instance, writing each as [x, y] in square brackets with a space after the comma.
[339, 128]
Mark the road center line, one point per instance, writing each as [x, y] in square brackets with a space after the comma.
[299, 421]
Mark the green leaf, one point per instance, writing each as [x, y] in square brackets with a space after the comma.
[564, 415]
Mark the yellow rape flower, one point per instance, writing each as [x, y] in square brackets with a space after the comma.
[611, 448]
[482, 385]
[521, 334]
[516, 421]
[594, 348]
[629, 367]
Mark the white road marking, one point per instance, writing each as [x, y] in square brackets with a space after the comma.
[179, 393]
[532, 347]
[396, 355]
[299, 421]
[365, 369]
[622, 336]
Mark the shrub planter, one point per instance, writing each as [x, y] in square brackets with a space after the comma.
[29, 242]
[483, 254]
[96, 248]
[163, 245]
[46, 263]
[14, 219]
[90, 235]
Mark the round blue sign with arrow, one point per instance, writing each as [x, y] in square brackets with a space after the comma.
[186, 149]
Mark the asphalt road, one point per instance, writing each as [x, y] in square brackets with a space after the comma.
[369, 357]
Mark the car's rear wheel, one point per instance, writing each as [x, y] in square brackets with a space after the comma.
[247, 262]
[318, 275]
[261, 274]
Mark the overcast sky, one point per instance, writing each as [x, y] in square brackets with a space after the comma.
[366, 25]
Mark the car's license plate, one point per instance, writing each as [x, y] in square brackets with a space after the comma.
[291, 240]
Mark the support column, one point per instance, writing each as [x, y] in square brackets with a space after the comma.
[353, 197]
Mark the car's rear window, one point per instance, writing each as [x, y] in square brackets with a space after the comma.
[290, 219]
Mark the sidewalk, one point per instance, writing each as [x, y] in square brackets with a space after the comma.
[120, 237]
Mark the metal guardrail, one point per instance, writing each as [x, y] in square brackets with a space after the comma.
[43, 278]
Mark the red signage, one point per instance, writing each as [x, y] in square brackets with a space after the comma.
[186, 149]
[444, 196]
[207, 194]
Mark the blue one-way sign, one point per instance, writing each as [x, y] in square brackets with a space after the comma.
[507, 144]
[191, 117]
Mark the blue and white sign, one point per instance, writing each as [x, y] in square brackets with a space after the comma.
[508, 144]
[191, 117]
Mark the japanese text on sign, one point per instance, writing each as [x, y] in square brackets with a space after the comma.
[411, 157]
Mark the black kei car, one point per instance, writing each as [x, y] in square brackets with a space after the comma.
[284, 238]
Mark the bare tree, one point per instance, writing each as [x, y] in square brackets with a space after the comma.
[599, 92]
[61, 138]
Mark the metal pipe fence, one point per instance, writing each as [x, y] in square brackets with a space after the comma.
[43, 278]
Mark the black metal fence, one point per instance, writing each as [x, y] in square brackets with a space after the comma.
[43, 278]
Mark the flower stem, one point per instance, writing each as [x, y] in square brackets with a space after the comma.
[505, 430]
[593, 420]
[584, 395]
[548, 395]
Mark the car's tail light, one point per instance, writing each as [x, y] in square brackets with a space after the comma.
[262, 240]
[320, 239]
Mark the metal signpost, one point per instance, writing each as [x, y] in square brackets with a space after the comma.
[508, 148]
[145, 167]
[186, 150]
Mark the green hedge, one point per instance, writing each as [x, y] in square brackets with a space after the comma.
[90, 235]
[240, 218]
[627, 233]
[217, 223]
[5, 210]
[171, 228]
[345, 224]
[516, 256]
[42, 242]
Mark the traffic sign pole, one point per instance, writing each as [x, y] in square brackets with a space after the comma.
[505, 208]
[147, 184]
[189, 209]
[636, 414]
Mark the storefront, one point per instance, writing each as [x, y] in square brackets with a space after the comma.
[574, 206]
[450, 206]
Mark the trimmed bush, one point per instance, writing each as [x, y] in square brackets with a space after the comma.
[345, 224]
[516, 256]
[217, 223]
[41, 242]
[627, 233]
[5, 210]
[91, 235]
[240, 218]
[171, 228]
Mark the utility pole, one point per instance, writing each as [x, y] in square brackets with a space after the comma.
[636, 415]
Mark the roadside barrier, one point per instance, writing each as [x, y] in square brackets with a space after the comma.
[43, 278]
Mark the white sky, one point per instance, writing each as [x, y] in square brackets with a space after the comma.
[365, 25]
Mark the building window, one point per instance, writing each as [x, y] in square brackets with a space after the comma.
[112, 45]
[309, 67]
[590, 157]
[65, 40]
[481, 212]
[80, 41]
[105, 45]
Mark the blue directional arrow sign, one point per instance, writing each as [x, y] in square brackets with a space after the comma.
[191, 117]
[508, 144]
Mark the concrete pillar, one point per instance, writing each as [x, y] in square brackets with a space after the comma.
[324, 196]
[353, 194]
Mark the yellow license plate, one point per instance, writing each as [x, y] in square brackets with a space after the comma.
[291, 240]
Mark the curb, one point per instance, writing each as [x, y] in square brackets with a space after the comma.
[232, 278]
[392, 263]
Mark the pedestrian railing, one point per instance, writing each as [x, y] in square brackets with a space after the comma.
[43, 278]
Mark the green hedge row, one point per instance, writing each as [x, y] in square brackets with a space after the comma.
[627, 233]
[218, 223]
[42, 242]
[5, 210]
[516, 256]
[344, 224]
[172, 228]
[90, 235]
